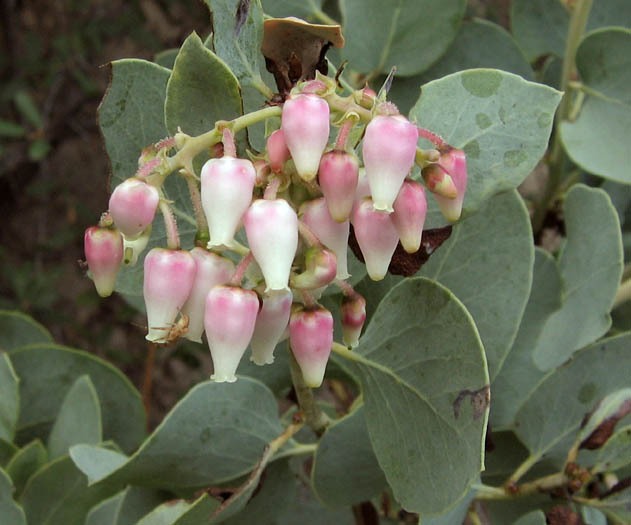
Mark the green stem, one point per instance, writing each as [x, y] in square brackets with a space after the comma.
[314, 417]
[578, 22]
[543, 484]
[522, 469]
[298, 450]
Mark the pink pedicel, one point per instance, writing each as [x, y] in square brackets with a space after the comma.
[377, 237]
[334, 235]
[271, 227]
[133, 205]
[410, 209]
[104, 252]
[305, 124]
[353, 317]
[338, 176]
[311, 338]
[389, 150]
[229, 319]
[211, 270]
[271, 323]
[455, 163]
[169, 277]
[320, 269]
[227, 185]
[277, 150]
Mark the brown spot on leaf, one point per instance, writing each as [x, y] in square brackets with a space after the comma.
[480, 400]
[618, 487]
[243, 8]
[604, 431]
[294, 50]
[407, 264]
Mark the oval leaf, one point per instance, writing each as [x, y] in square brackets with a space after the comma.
[17, 329]
[10, 511]
[9, 399]
[25, 462]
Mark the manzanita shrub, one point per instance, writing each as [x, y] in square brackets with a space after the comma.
[388, 343]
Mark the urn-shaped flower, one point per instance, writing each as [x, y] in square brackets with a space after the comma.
[311, 338]
[338, 175]
[104, 252]
[455, 163]
[410, 209]
[389, 150]
[353, 316]
[271, 323]
[133, 205]
[168, 279]
[229, 320]
[271, 227]
[277, 150]
[227, 185]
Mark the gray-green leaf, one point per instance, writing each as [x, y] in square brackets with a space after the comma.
[536, 517]
[616, 452]
[25, 462]
[502, 122]
[9, 399]
[10, 511]
[17, 329]
[422, 355]
[591, 267]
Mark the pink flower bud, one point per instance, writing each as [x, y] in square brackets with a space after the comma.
[410, 209]
[227, 185]
[133, 205]
[353, 316]
[377, 238]
[334, 235]
[439, 182]
[311, 338]
[132, 248]
[229, 320]
[277, 150]
[305, 125]
[389, 151]
[270, 326]
[338, 176]
[271, 227]
[211, 270]
[104, 252]
[320, 269]
[455, 163]
[169, 276]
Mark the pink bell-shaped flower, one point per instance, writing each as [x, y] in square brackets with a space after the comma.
[338, 175]
[305, 125]
[455, 163]
[389, 150]
[271, 323]
[320, 269]
[353, 317]
[227, 185]
[104, 252]
[133, 205]
[311, 338]
[169, 276]
[334, 235]
[277, 150]
[271, 227]
[229, 320]
[410, 209]
[377, 238]
[211, 270]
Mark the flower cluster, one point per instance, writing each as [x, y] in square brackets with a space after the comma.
[295, 202]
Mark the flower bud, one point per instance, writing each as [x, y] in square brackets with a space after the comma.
[104, 252]
[169, 276]
[227, 185]
[133, 205]
[229, 320]
[454, 162]
[377, 238]
[271, 227]
[338, 176]
[320, 269]
[270, 326]
[439, 182]
[389, 150]
[305, 125]
[311, 338]
[353, 316]
[408, 217]
[211, 270]
[132, 248]
[334, 235]
[277, 150]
